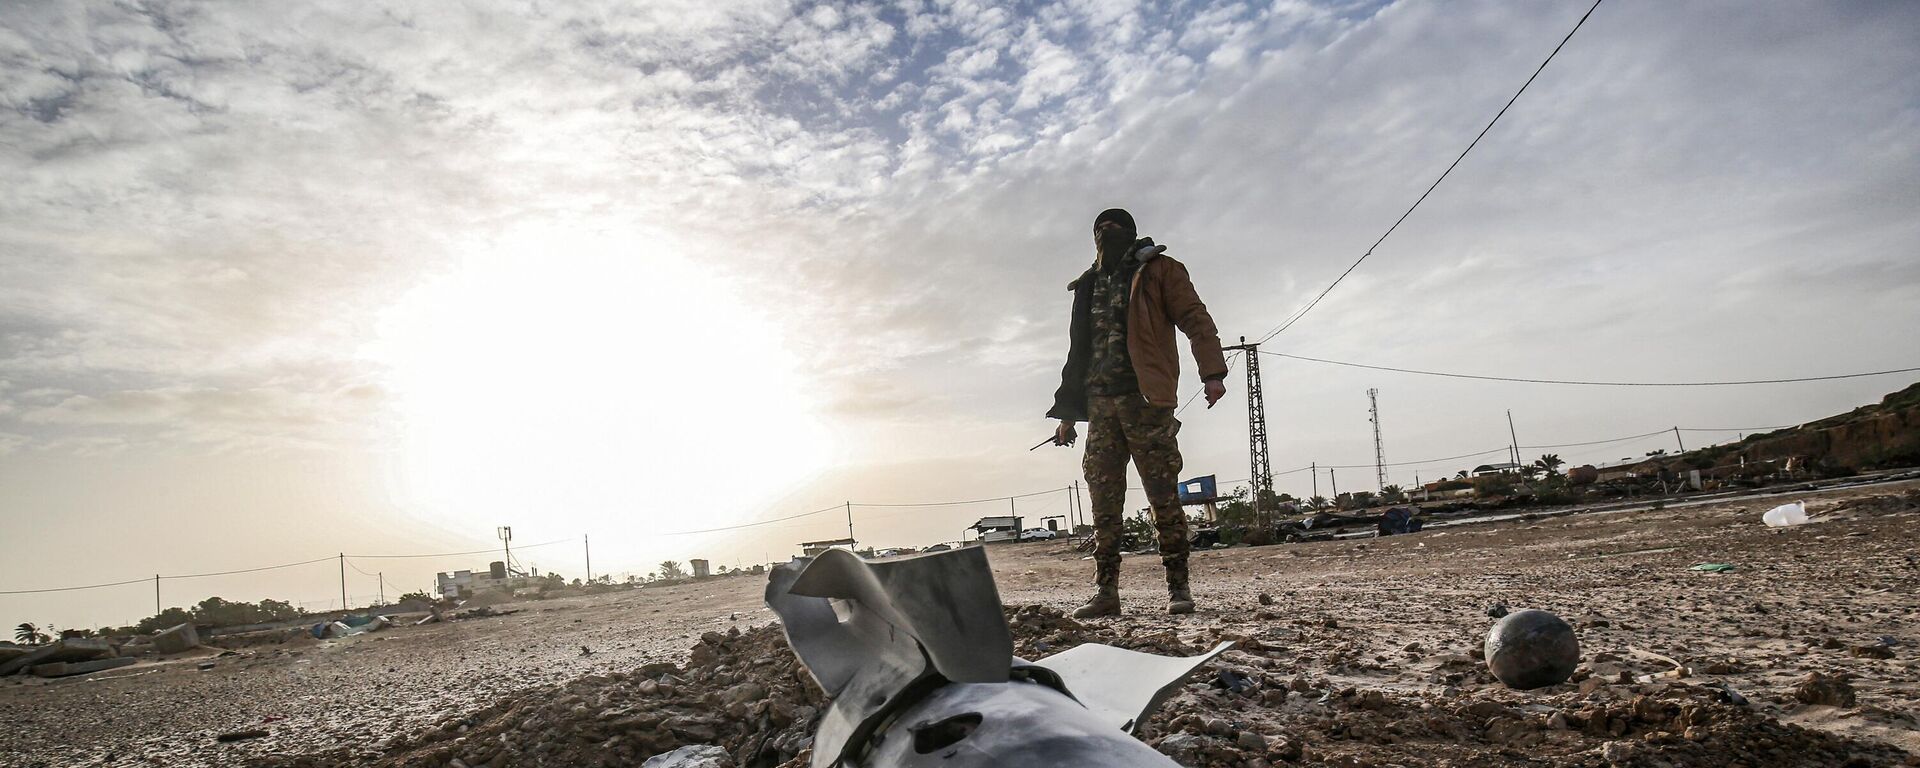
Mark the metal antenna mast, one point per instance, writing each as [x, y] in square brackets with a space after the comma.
[1261, 477]
[506, 542]
[1379, 452]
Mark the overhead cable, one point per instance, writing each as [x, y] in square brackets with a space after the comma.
[456, 554]
[1288, 323]
[1583, 383]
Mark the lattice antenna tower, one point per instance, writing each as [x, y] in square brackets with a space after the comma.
[1261, 477]
[1379, 452]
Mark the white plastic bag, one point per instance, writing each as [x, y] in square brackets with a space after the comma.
[1786, 514]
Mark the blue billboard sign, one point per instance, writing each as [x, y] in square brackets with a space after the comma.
[1199, 490]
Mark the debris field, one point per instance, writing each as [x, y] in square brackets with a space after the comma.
[1357, 652]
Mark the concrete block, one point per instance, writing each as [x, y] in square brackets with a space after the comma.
[64, 649]
[66, 668]
[177, 639]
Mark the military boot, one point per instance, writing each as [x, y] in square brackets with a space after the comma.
[1104, 603]
[1179, 597]
[1179, 601]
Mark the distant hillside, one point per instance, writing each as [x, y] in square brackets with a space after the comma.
[1885, 434]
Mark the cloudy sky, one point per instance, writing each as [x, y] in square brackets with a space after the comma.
[283, 281]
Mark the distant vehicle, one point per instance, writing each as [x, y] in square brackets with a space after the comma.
[1037, 534]
[938, 548]
[886, 553]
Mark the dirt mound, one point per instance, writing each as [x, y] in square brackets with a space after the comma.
[746, 692]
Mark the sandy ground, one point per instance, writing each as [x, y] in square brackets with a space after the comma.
[1365, 652]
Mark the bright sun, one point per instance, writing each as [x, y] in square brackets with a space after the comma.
[565, 383]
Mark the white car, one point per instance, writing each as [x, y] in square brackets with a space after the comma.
[1037, 534]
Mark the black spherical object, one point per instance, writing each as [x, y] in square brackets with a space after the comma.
[1530, 649]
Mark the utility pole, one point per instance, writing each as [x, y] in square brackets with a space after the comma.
[1336, 485]
[1676, 439]
[588, 546]
[343, 581]
[156, 594]
[383, 587]
[1086, 515]
[1516, 439]
[850, 540]
[505, 533]
[1314, 469]
[1379, 452]
[1261, 478]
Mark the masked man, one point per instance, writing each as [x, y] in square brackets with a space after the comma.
[1122, 377]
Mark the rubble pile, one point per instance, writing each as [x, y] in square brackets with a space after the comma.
[1272, 720]
[64, 657]
[742, 691]
[745, 693]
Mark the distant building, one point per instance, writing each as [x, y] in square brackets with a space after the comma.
[462, 584]
[1626, 469]
[814, 548]
[1003, 528]
[699, 568]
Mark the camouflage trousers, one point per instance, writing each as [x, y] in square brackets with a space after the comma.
[1120, 427]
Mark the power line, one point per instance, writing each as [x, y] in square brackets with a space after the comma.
[1599, 442]
[1411, 463]
[1583, 383]
[1436, 182]
[149, 579]
[247, 570]
[75, 589]
[456, 554]
[959, 503]
[834, 508]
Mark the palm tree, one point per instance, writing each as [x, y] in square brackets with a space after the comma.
[1317, 502]
[1549, 463]
[670, 570]
[28, 634]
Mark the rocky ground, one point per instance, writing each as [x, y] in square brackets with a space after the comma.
[1357, 652]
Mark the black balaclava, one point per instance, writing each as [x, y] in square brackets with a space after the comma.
[1115, 242]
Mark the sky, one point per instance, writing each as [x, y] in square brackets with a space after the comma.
[279, 283]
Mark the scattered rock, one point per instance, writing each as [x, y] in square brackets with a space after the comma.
[691, 756]
[1828, 690]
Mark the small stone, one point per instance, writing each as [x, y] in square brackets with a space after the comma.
[1817, 688]
[1251, 742]
[692, 756]
[1266, 599]
[1875, 651]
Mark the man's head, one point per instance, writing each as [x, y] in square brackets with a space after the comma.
[1114, 217]
[1113, 230]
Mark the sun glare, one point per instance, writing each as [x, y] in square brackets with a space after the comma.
[569, 383]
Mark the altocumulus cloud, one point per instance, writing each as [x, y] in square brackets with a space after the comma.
[209, 202]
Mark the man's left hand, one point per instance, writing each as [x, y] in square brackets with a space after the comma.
[1216, 389]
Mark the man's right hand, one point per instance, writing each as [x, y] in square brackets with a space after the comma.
[1064, 435]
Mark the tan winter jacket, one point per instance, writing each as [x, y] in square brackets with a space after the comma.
[1162, 299]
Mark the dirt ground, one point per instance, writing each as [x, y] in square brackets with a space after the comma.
[1361, 652]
